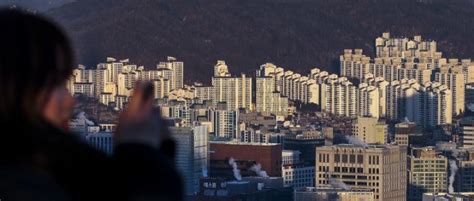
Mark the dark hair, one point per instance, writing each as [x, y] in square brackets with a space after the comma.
[35, 57]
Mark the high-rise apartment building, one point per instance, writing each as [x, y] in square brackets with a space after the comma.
[468, 70]
[126, 82]
[113, 81]
[438, 105]
[410, 65]
[86, 88]
[339, 96]
[453, 78]
[113, 68]
[382, 86]
[161, 87]
[381, 168]
[268, 100]
[236, 92]
[354, 64]
[176, 69]
[369, 101]
[427, 105]
[204, 92]
[412, 106]
[387, 46]
[225, 123]
[394, 96]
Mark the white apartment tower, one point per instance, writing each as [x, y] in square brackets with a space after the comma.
[339, 96]
[236, 92]
[177, 72]
[369, 101]
[162, 87]
[454, 80]
[439, 105]
[268, 100]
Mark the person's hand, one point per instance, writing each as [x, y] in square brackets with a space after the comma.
[140, 122]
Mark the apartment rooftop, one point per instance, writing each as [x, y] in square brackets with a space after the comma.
[244, 143]
[331, 189]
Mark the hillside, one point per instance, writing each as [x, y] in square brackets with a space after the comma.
[295, 34]
[39, 5]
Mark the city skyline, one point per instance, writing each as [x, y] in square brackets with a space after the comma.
[391, 127]
[379, 79]
[234, 100]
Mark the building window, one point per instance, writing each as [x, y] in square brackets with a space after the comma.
[360, 159]
[352, 158]
[344, 158]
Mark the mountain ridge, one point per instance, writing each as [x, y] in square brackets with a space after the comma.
[294, 34]
[36, 5]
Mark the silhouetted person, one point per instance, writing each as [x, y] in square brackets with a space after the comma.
[39, 159]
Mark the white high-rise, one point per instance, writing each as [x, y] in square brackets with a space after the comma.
[369, 101]
[268, 100]
[176, 69]
[453, 78]
[439, 105]
[162, 87]
[339, 96]
[236, 92]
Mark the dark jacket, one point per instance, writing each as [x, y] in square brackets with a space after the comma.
[44, 163]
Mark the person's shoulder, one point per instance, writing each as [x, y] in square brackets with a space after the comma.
[68, 143]
[27, 184]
